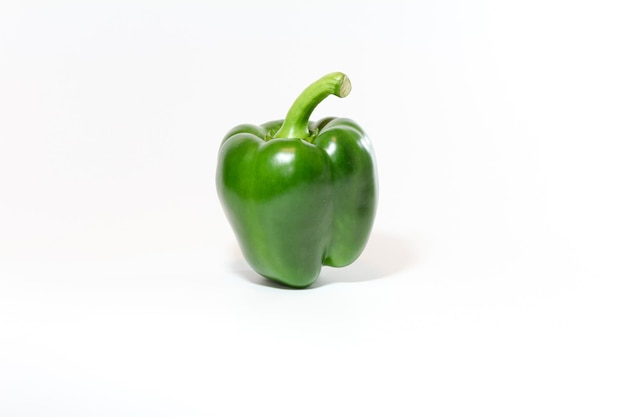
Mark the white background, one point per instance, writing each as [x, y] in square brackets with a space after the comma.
[493, 282]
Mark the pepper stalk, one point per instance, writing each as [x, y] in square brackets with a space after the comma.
[296, 124]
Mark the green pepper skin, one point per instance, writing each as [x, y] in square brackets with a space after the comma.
[296, 204]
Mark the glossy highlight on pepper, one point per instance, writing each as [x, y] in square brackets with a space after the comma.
[299, 194]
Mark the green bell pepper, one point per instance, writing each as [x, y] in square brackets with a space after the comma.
[299, 194]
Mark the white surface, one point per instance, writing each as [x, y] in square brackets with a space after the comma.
[493, 284]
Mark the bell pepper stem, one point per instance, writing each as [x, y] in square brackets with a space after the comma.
[296, 124]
